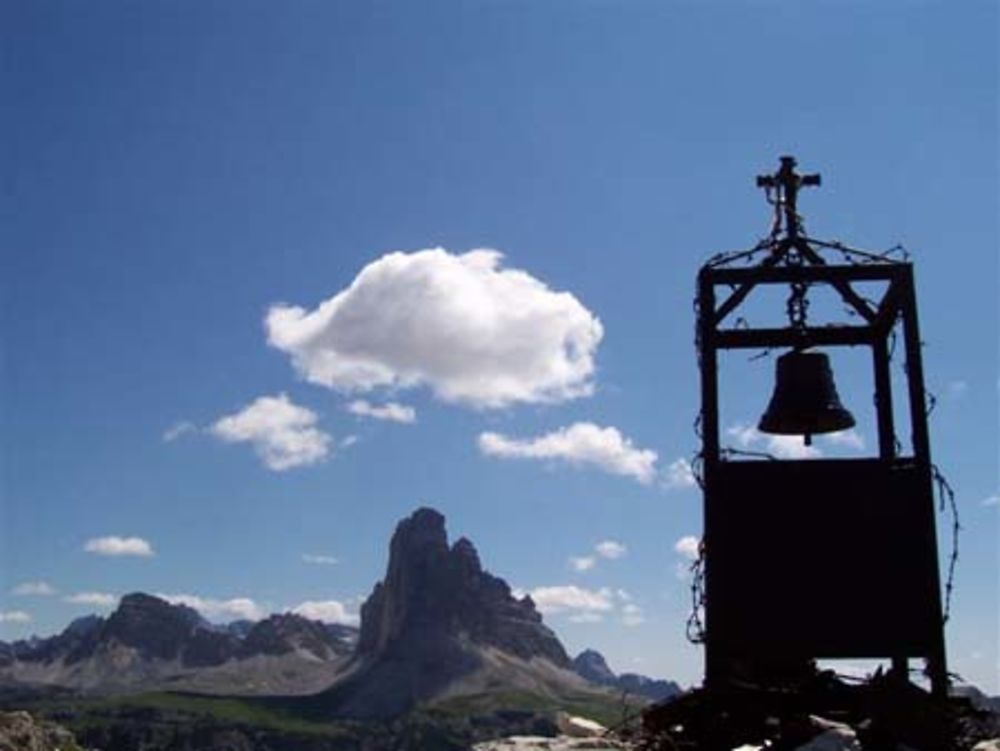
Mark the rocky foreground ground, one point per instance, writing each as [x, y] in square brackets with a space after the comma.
[19, 731]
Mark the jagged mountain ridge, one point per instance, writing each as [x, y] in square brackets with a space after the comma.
[148, 643]
[591, 665]
[439, 625]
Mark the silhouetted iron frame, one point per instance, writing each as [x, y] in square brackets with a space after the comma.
[897, 306]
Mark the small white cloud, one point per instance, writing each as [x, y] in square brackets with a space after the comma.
[471, 331]
[94, 599]
[14, 616]
[391, 411]
[179, 430]
[582, 563]
[587, 617]
[779, 446]
[687, 547]
[38, 589]
[348, 441]
[559, 599]
[632, 615]
[119, 546]
[236, 608]
[321, 560]
[328, 611]
[284, 435]
[623, 595]
[791, 447]
[847, 438]
[610, 549]
[582, 443]
[679, 474]
[991, 500]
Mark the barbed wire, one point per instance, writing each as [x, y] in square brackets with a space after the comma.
[946, 498]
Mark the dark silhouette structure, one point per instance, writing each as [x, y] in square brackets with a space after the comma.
[817, 558]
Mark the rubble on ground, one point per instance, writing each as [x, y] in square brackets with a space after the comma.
[822, 713]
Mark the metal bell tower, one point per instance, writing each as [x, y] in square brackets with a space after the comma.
[825, 557]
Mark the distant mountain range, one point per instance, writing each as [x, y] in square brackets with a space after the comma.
[148, 643]
[591, 665]
[436, 627]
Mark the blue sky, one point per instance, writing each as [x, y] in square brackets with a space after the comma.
[177, 172]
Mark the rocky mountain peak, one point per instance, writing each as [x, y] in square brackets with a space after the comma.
[420, 535]
[591, 665]
[161, 630]
[287, 632]
[433, 593]
[465, 555]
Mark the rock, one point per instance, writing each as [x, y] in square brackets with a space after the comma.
[833, 736]
[991, 745]
[559, 743]
[19, 731]
[579, 727]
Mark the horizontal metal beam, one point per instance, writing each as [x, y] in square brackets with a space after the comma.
[787, 274]
[849, 336]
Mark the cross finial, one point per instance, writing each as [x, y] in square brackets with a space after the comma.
[786, 183]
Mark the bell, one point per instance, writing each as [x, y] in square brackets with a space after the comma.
[805, 400]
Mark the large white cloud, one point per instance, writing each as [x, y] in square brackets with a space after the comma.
[218, 609]
[119, 546]
[328, 611]
[475, 333]
[283, 434]
[582, 443]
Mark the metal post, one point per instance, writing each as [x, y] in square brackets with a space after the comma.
[936, 664]
[715, 667]
[883, 399]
